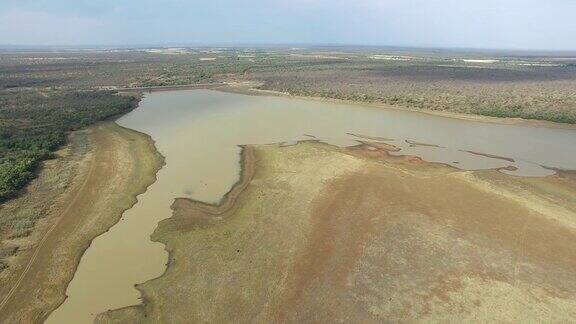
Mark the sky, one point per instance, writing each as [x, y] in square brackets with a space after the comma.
[492, 24]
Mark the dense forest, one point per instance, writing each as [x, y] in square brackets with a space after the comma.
[33, 124]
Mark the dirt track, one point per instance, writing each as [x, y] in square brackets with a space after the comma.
[119, 165]
[322, 234]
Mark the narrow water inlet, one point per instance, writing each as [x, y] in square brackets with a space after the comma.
[198, 132]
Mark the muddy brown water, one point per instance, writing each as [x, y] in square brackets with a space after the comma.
[198, 132]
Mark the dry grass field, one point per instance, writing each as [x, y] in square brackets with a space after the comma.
[314, 233]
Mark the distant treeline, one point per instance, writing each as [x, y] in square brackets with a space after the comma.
[33, 124]
[33, 121]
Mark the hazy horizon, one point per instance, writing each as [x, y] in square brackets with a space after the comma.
[450, 24]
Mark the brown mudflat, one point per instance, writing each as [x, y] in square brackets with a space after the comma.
[118, 165]
[326, 234]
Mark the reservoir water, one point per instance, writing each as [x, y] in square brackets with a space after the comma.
[198, 132]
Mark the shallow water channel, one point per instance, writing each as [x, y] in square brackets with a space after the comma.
[198, 132]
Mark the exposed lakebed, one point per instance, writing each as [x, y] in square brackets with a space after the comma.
[199, 133]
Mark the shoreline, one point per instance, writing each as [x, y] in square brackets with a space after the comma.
[118, 217]
[247, 170]
[190, 216]
[245, 175]
[240, 89]
[102, 208]
[249, 89]
[185, 210]
[170, 87]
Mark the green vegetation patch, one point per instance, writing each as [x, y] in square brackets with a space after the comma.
[33, 124]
